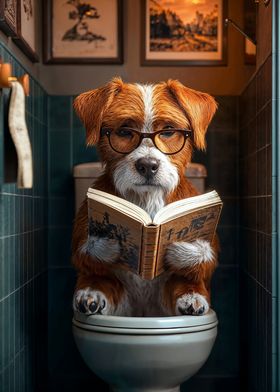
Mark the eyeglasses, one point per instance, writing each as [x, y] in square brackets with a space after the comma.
[169, 141]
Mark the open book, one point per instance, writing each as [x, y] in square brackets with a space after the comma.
[143, 240]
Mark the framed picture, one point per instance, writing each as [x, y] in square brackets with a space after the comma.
[8, 17]
[83, 31]
[184, 32]
[26, 28]
[250, 16]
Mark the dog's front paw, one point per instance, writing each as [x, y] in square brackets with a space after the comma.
[180, 255]
[192, 304]
[90, 301]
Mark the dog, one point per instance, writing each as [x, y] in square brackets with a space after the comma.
[133, 127]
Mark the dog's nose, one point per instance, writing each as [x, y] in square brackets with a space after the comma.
[147, 167]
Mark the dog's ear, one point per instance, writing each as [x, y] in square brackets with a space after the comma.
[91, 106]
[198, 107]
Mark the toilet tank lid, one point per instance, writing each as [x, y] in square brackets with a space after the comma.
[88, 170]
[196, 170]
[94, 169]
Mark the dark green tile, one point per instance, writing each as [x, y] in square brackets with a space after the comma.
[6, 222]
[6, 268]
[230, 212]
[6, 333]
[60, 177]
[59, 111]
[81, 152]
[2, 267]
[76, 122]
[66, 367]
[225, 119]
[212, 384]
[228, 238]
[59, 248]
[2, 334]
[224, 357]
[61, 211]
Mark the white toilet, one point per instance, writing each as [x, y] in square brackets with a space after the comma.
[134, 354]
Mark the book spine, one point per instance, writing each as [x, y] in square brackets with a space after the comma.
[150, 239]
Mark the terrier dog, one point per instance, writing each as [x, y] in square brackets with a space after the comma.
[145, 136]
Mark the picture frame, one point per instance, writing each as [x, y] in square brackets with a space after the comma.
[8, 17]
[250, 20]
[76, 35]
[185, 33]
[27, 18]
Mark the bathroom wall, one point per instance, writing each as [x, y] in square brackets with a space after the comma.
[222, 369]
[66, 149]
[23, 253]
[73, 79]
[255, 161]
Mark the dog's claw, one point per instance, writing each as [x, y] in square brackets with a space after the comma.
[93, 307]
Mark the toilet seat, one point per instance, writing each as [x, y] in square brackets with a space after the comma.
[145, 325]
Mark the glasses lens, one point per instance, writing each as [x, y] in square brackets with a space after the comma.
[170, 141]
[124, 140]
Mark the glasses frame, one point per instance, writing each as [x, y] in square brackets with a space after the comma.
[149, 135]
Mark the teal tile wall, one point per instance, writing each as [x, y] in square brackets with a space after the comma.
[23, 253]
[256, 231]
[221, 371]
[66, 148]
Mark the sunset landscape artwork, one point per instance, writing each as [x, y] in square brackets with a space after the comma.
[184, 29]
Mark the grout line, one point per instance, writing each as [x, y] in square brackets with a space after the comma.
[242, 198]
[255, 280]
[13, 359]
[23, 196]
[23, 285]
[23, 233]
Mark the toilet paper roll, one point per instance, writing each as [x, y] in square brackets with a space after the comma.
[20, 136]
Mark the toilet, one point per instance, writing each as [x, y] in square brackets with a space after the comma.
[141, 354]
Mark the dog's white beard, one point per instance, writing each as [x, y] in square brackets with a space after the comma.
[131, 185]
[151, 201]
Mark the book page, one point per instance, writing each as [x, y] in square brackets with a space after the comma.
[196, 225]
[181, 207]
[107, 222]
[120, 204]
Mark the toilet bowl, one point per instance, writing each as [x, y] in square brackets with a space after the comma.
[134, 354]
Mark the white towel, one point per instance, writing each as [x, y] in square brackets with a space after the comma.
[19, 133]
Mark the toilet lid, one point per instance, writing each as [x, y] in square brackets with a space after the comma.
[174, 323]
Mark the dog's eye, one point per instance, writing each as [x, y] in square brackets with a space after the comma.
[124, 133]
[167, 134]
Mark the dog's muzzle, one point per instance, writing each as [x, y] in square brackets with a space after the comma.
[147, 167]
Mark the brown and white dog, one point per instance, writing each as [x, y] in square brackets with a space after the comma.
[151, 179]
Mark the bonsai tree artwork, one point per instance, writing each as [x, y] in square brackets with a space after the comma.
[82, 12]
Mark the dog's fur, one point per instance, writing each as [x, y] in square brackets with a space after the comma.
[105, 286]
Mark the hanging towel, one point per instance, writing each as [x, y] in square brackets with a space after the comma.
[20, 137]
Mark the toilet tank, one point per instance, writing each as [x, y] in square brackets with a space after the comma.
[85, 175]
